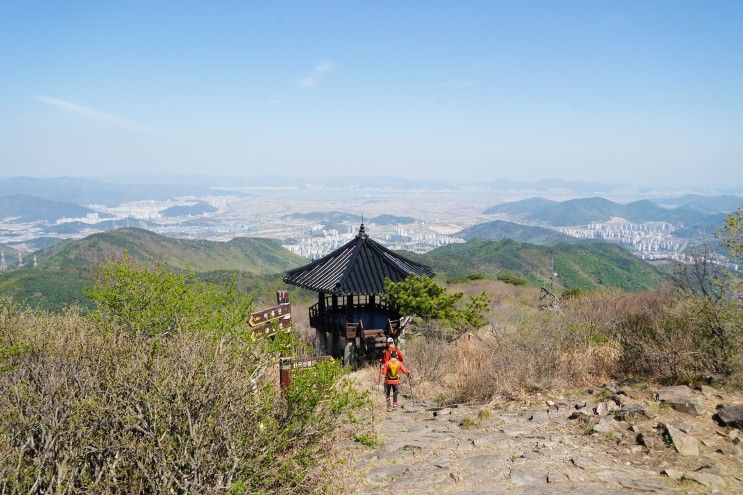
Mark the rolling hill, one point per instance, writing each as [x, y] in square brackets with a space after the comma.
[325, 217]
[63, 272]
[27, 208]
[199, 208]
[707, 204]
[585, 266]
[499, 229]
[583, 211]
[522, 207]
[392, 220]
[335, 218]
[88, 191]
[106, 225]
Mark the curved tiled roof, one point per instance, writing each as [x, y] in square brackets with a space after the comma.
[358, 267]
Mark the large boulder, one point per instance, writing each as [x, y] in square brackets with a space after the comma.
[682, 398]
[730, 415]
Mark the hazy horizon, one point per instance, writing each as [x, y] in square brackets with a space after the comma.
[648, 94]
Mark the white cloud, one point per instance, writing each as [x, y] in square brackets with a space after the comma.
[458, 84]
[324, 67]
[92, 114]
[306, 81]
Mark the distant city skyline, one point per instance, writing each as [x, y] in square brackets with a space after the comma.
[643, 93]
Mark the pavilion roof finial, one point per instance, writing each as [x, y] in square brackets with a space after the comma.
[362, 232]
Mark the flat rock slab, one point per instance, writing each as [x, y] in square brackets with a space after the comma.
[645, 485]
[523, 449]
[388, 472]
[683, 443]
[634, 410]
[683, 399]
[528, 475]
[709, 480]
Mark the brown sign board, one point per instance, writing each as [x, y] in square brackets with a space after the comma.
[287, 365]
[272, 327]
[303, 362]
[267, 315]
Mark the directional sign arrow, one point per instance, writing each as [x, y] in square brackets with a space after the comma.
[269, 314]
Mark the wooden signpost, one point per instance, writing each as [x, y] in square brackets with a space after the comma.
[288, 365]
[270, 321]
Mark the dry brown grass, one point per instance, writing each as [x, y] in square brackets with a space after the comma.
[601, 335]
[505, 360]
[85, 410]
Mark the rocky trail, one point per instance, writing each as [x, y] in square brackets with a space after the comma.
[612, 440]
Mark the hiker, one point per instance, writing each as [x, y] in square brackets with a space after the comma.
[391, 371]
[391, 347]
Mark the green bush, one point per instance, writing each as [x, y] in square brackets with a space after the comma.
[156, 301]
[572, 293]
[425, 298]
[160, 391]
[510, 278]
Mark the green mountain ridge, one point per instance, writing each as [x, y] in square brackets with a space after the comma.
[500, 229]
[583, 211]
[585, 266]
[27, 208]
[64, 270]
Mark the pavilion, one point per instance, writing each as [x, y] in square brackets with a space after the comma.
[351, 318]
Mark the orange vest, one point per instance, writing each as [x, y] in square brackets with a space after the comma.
[392, 370]
[400, 355]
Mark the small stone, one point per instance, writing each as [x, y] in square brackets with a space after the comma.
[456, 477]
[583, 413]
[606, 425]
[628, 411]
[611, 386]
[580, 405]
[601, 409]
[711, 379]
[730, 415]
[620, 398]
[646, 440]
[683, 443]
[674, 474]
[557, 477]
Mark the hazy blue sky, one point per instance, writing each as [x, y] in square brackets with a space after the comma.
[627, 91]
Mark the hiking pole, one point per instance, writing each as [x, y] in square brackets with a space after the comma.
[379, 380]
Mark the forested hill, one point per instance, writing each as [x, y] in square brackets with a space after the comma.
[499, 229]
[63, 272]
[585, 266]
[247, 254]
[582, 211]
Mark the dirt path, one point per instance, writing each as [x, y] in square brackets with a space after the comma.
[520, 448]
